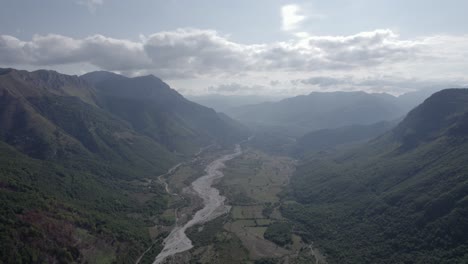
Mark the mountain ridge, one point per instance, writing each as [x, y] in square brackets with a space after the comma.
[137, 100]
[301, 114]
[389, 202]
[74, 167]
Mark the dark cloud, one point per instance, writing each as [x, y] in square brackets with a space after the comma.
[322, 81]
[274, 82]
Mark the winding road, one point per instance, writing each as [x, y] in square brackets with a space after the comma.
[213, 202]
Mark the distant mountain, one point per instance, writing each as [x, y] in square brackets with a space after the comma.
[443, 114]
[401, 198]
[412, 99]
[222, 103]
[100, 76]
[77, 155]
[301, 114]
[159, 112]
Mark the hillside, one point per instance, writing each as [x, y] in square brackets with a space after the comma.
[331, 138]
[51, 116]
[159, 112]
[78, 158]
[401, 198]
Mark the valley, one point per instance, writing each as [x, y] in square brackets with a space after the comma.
[213, 207]
[103, 168]
[233, 132]
[381, 199]
[249, 228]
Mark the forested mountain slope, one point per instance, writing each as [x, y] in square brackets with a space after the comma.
[401, 198]
[156, 110]
[77, 158]
[331, 138]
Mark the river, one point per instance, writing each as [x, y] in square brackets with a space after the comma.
[213, 202]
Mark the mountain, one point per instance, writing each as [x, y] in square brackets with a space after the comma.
[325, 139]
[401, 198]
[411, 99]
[51, 116]
[159, 112]
[100, 76]
[222, 103]
[77, 157]
[301, 114]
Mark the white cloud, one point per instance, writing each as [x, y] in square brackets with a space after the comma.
[209, 55]
[292, 17]
[106, 53]
[204, 52]
[92, 5]
[197, 51]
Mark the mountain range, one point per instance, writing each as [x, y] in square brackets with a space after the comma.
[223, 103]
[299, 115]
[378, 178]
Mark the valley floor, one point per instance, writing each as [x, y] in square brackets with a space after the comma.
[254, 231]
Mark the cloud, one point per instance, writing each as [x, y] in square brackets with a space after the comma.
[274, 82]
[291, 17]
[201, 52]
[236, 88]
[340, 52]
[197, 52]
[320, 61]
[11, 50]
[205, 52]
[106, 53]
[92, 5]
[322, 81]
[366, 48]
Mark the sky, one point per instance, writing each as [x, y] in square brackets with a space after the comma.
[242, 47]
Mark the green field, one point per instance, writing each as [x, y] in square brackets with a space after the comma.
[253, 184]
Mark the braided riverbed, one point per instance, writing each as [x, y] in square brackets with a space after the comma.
[213, 207]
